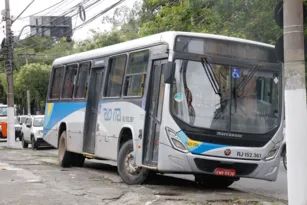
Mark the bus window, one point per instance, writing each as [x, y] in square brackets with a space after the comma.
[56, 83]
[81, 88]
[115, 76]
[136, 73]
[69, 81]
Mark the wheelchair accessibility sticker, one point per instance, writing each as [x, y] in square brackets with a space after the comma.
[236, 73]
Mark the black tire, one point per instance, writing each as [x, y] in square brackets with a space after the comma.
[65, 157]
[210, 181]
[129, 178]
[78, 160]
[33, 143]
[24, 143]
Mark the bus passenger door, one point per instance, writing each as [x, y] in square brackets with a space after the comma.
[154, 113]
[91, 112]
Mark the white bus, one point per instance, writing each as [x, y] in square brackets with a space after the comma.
[174, 102]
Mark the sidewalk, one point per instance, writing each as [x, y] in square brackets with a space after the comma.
[34, 178]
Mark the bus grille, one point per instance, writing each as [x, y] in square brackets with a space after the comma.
[210, 165]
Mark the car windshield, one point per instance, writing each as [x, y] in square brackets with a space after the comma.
[22, 120]
[38, 122]
[3, 111]
[222, 97]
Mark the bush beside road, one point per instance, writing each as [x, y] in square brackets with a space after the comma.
[34, 177]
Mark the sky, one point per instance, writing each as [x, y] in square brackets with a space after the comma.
[17, 6]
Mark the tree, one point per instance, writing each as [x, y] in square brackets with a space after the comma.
[33, 77]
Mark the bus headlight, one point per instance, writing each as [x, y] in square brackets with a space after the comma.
[272, 153]
[175, 140]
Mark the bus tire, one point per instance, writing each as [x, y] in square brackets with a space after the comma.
[129, 173]
[78, 160]
[65, 157]
[210, 181]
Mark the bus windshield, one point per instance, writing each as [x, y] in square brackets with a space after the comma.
[3, 111]
[245, 103]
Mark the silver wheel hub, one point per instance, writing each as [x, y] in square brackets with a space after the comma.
[130, 164]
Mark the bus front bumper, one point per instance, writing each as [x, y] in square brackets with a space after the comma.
[198, 164]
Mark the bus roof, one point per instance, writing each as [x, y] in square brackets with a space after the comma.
[165, 37]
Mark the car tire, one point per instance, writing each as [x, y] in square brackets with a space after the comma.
[33, 143]
[66, 158]
[211, 181]
[129, 173]
[24, 143]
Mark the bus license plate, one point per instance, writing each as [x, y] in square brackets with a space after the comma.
[225, 172]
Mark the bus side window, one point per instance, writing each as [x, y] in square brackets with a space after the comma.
[136, 74]
[56, 83]
[81, 85]
[115, 76]
[70, 75]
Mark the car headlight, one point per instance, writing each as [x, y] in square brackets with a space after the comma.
[273, 152]
[40, 132]
[18, 128]
[175, 140]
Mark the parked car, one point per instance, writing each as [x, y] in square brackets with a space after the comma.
[18, 128]
[22, 119]
[32, 132]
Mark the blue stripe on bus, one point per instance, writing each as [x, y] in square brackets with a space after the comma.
[196, 147]
[57, 111]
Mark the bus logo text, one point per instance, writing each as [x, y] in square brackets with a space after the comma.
[227, 134]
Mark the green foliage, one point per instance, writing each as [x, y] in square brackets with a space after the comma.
[33, 77]
[248, 19]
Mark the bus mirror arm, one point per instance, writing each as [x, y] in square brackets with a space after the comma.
[168, 72]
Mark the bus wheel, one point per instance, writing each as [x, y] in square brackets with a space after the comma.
[65, 157]
[78, 160]
[214, 181]
[128, 171]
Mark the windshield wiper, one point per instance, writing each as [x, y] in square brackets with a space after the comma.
[246, 79]
[243, 83]
[211, 76]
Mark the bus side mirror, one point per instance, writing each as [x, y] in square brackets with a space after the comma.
[168, 72]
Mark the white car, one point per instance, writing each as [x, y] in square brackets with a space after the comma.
[32, 132]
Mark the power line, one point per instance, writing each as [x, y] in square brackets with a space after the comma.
[93, 18]
[72, 9]
[43, 9]
[81, 25]
[86, 22]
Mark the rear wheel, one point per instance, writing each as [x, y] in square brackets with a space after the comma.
[24, 143]
[65, 157]
[214, 181]
[78, 160]
[128, 171]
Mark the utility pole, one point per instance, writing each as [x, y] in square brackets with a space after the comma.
[29, 102]
[295, 100]
[9, 56]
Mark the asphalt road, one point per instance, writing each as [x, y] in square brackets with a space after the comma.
[277, 189]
